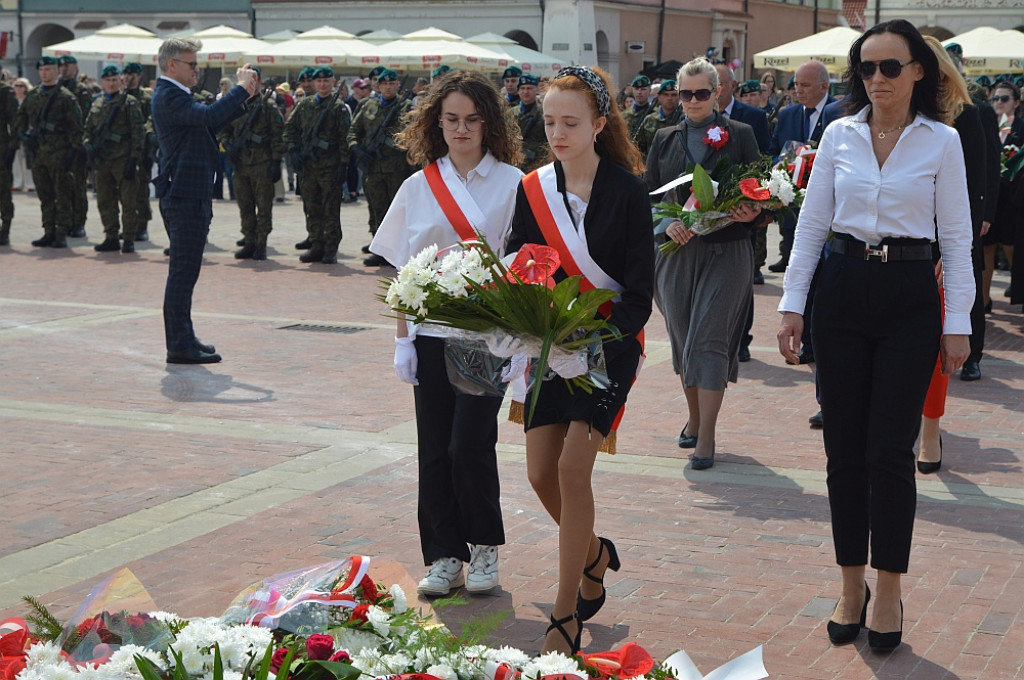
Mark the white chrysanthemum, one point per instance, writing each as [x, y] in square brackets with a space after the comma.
[398, 595]
[550, 664]
[443, 671]
[354, 641]
[412, 296]
[43, 654]
[516, 658]
[228, 675]
[425, 258]
[369, 661]
[786, 193]
[165, 617]
[452, 283]
[60, 671]
[122, 662]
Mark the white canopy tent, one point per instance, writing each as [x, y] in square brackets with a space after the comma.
[990, 50]
[325, 46]
[122, 43]
[380, 36]
[226, 46]
[831, 47]
[531, 61]
[429, 48]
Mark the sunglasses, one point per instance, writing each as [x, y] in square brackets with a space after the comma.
[700, 95]
[194, 65]
[890, 68]
[1000, 98]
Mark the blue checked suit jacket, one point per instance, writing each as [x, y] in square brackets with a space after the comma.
[186, 131]
[791, 126]
[756, 119]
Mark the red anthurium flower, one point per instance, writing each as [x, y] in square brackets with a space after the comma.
[751, 188]
[535, 263]
[628, 661]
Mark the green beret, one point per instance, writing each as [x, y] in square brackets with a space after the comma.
[132, 67]
[984, 81]
[792, 83]
[440, 71]
[45, 61]
[305, 73]
[387, 75]
[259, 73]
[749, 86]
[109, 71]
[1019, 81]
[955, 50]
[512, 72]
[641, 81]
[322, 72]
[667, 86]
[528, 79]
[375, 71]
[66, 59]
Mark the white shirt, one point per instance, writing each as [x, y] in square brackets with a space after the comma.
[727, 111]
[172, 80]
[923, 185]
[819, 108]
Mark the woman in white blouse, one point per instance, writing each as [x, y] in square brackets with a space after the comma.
[888, 180]
[468, 148]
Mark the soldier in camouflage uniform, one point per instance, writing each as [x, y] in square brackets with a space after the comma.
[306, 88]
[372, 141]
[49, 124]
[114, 142]
[531, 124]
[8, 147]
[668, 114]
[643, 105]
[255, 145]
[511, 80]
[132, 75]
[67, 65]
[315, 137]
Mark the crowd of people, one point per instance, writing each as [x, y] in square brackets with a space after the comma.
[887, 264]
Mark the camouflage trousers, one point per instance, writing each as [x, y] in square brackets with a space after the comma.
[380, 189]
[255, 197]
[53, 184]
[145, 212]
[114, 191]
[78, 193]
[6, 202]
[759, 239]
[321, 201]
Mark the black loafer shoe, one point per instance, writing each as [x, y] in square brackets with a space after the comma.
[376, 261]
[779, 266]
[192, 356]
[202, 347]
[816, 421]
[758, 278]
[744, 355]
[971, 370]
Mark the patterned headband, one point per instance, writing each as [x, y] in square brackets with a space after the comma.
[594, 82]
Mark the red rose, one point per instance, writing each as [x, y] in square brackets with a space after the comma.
[341, 656]
[369, 588]
[319, 647]
[278, 659]
[359, 613]
[751, 188]
[136, 622]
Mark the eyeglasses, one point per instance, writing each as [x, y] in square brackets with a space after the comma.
[471, 124]
[701, 95]
[1000, 98]
[194, 65]
[890, 68]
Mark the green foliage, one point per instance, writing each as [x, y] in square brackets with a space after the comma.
[42, 623]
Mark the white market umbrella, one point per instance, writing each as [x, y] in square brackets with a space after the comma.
[226, 46]
[989, 50]
[122, 43]
[423, 51]
[830, 47]
[279, 36]
[324, 46]
[431, 33]
[531, 61]
[380, 36]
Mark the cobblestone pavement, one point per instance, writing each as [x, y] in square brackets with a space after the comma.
[300, 447]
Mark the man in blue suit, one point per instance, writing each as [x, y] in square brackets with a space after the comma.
[802, 122]
[186, 131]
[737, 110]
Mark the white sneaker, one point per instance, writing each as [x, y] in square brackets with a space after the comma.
[445, 573]
[483, 569]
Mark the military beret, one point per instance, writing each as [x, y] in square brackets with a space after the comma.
[66, 59]
[641, 81]
[322, 72]
[1019, 81]
[375, 71]
[792, 83]
[109, 71]
[667, 86]
[984, 81]
[132, 67]
[955, 50]
[259, 73]
[749, 86]
[440, 71]
[305, 73]
[387, 75]
[528, 79]
[45, 61]
[512, 72]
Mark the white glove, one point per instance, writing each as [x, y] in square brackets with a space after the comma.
[503, 345]
[516, 368]
[569, 366]
[405, 360]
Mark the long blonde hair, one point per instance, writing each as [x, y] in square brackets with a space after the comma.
[953, 95]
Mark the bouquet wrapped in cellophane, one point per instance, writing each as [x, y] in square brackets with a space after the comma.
[714, 195]
[511, 308]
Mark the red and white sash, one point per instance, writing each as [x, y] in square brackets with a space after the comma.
[454, 199]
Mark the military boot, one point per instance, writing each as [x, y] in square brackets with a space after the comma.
[128, 246]
[108, 246]
[246, 252]
[60, 240]
[43, 242]
[78, 231]
[261, 248]
[314, 254]
[142, 235]
[304, 245]
[240, 242]
[5, 234]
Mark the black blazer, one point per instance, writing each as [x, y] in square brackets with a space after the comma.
[977, 156]
[620, 238]
[756, 119]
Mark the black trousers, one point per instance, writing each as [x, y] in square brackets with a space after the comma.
[876, 328]
[978, 310]
[188, 223]
[459, 494]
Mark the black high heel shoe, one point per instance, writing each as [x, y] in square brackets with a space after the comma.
[886, 642]
[588, 608]
[844, 633]
[928, 467]
[557, 624]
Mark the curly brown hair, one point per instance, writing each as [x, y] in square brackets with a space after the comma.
[423, 138]
[613, 142]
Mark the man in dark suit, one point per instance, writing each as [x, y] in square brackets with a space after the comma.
[734, 109]
[186, 131]
[800, 124]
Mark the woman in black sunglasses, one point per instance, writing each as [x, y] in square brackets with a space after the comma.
[704, 290]
[887, 179]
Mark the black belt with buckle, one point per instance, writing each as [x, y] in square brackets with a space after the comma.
[885, 252]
